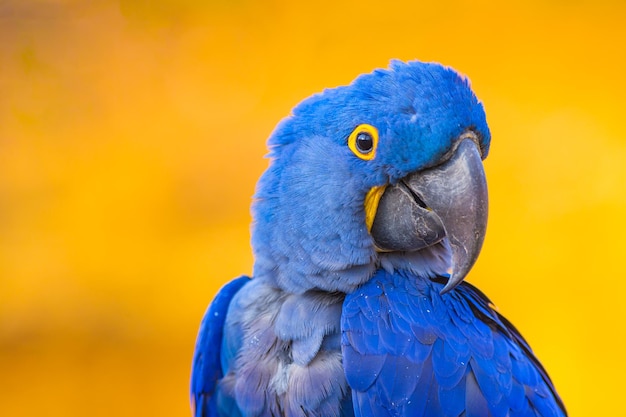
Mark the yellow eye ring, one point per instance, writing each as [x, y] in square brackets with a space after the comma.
[363, 141]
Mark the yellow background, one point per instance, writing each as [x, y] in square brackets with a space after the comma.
[132, 134]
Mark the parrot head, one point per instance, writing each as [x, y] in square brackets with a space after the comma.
[385, 172]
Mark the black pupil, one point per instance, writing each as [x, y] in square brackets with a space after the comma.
[364, 142]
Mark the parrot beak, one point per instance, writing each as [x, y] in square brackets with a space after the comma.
[448, 200]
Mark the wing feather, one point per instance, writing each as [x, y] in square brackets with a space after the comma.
[429, 354]
[206, 367]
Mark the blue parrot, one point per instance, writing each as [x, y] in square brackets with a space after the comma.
[370, 215]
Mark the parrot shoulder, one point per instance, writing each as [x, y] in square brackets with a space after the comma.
[410, 350]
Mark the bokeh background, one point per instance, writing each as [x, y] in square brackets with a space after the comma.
[132, 133]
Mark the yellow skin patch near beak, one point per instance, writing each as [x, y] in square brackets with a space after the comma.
[371, 204]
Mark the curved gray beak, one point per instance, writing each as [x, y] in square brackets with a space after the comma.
[448, 200]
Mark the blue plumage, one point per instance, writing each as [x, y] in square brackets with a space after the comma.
[427, 354]
[207, 368]
[368, 218]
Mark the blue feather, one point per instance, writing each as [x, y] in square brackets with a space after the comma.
[492, 378]
[206, 369]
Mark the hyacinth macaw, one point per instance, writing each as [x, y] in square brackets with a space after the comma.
[370, 215]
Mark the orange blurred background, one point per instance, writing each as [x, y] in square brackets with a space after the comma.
[132, 133]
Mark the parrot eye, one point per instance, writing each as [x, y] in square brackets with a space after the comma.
[363, 141]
